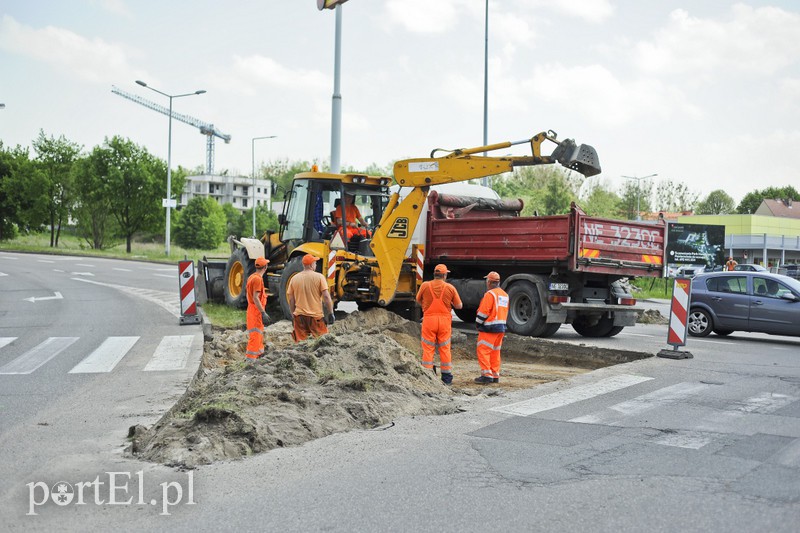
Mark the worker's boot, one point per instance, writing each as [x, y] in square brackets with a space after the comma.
[484, 380]
[447, 378]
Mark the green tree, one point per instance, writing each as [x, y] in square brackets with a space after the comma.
[235, 221]
[543, 189]
[633, 194]
[674, 196]
[753, 199]
[718, 202]
[557, 195]
[601, 202]
[13, 163]
[136, 182]
[93, 208]
[24, 189]
[54, 159]
[201, 224]
[282, 171]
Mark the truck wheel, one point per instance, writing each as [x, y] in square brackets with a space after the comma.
[524, 310]
[293, 266]
[238, 269]
[466, 314]
[549, 330]
[602, 328]
[614, 331]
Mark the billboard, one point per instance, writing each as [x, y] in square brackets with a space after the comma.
[694, 248]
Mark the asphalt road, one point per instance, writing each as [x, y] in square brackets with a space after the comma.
[710, 443]
[88, 347]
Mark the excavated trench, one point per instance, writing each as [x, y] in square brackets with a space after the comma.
[363, 374]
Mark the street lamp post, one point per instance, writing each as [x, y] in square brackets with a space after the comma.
[485, 179]
[253, 154]
[168, 202]
[638, 190]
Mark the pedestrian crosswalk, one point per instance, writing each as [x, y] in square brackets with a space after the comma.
[172, 353]
[695, 415]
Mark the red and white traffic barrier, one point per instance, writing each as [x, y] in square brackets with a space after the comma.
[678, 319]
[189, 313]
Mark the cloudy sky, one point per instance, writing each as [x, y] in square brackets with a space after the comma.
[706, 92]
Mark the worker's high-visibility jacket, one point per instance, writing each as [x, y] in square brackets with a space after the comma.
[493, 311]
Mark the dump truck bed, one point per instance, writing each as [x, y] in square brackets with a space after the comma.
[576, 241]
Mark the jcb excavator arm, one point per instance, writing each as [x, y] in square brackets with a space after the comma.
[393, 234]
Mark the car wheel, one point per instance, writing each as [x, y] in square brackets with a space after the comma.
[723, 332]
[700, 323]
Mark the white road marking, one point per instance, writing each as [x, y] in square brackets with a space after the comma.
[172, 353]
[636, 335]
[122, 269]
[165, 275]
[106, 356]
[3, 274]
[713, 342]
[645, 402]
[45, 261]
[37, 356]
[84, 265]
[91, 274]
[33, 299]
[573, 395]
[169, 301]
[5, 341]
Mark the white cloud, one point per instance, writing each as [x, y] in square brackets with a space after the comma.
[593, 11]
[424, 16]
[118, 7]
[92, 60]
[248, 73]
[761, 41]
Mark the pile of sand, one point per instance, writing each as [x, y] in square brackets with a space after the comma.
[364, 374]
[359, 376]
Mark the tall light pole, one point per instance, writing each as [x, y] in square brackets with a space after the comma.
[336, 111]
[253, 153]
[485, 179]
[638, 190]
[168, 202]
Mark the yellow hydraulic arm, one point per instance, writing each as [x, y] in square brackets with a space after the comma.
[393, 234]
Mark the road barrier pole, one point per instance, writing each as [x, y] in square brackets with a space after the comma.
[189, 313]
[678, 320]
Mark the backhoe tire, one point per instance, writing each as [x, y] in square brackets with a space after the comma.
[466, 314]
[238, 269]
[293, 266]
[525, 310]
[602, 328]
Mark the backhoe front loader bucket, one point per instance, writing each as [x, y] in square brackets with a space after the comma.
[581, 158]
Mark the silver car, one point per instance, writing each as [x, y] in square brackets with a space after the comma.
[724, 302]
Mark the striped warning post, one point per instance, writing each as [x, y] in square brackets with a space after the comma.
[331, 267]
[186, 283]
[419, 261]
[678, 319]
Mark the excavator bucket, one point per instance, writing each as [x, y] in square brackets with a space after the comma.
[581, 158]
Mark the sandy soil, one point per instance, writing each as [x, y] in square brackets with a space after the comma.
[363, 374]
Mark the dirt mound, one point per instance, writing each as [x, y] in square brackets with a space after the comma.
[363, 374]
[651, 316]
[358, 376]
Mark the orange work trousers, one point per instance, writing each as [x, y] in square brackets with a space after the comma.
[436, 333]
[307, 325]
[255, 331]
[489, 345]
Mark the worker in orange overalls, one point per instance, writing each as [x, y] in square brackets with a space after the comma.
[437, 297]
[257, 316]
[352, 218]
[491, 324]
[730, 264]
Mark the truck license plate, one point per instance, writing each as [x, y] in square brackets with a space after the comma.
[559, 286]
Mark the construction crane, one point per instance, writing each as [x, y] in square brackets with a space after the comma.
[205, 128]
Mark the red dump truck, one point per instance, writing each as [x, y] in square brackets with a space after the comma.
[556, 269]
